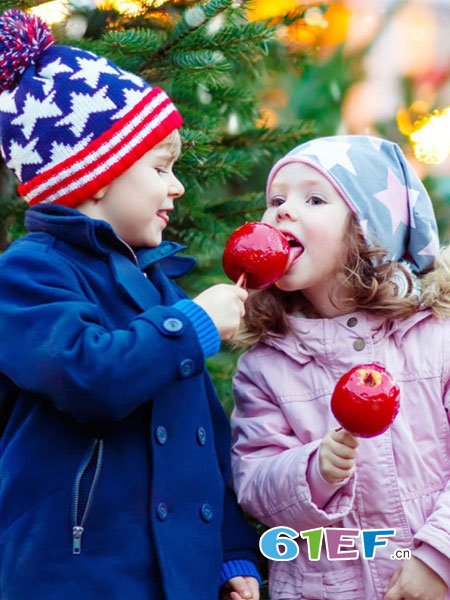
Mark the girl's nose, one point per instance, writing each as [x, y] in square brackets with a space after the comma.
[287, 211]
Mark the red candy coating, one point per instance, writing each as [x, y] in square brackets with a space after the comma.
[259, 251]
[365, 400]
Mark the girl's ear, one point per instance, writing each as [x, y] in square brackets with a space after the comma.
[100, 194]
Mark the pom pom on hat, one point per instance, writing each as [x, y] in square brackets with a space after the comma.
[71, 121]
[23, 38]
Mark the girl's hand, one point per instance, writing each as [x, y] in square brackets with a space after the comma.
[338, 450]
[414, 580]
[240, 588]
[225, 304]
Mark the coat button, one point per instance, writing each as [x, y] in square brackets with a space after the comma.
[201, 436]
[161, 435]
[352, 322]
[359, 344]
[173, 325]
[186, 367]
[162, 511]
[206, 512]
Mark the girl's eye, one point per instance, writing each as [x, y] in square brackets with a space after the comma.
[159, 170]
[276, 201]
[316, 200]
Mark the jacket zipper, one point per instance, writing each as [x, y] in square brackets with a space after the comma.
[78, 527]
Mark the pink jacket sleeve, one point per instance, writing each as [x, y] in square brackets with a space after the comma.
[434, 536]
[269, 461]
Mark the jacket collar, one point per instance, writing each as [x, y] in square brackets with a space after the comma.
[315, 338]
[98, 237]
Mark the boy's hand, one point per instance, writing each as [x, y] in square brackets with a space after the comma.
[338, 450]
[414, 580]
[225, 304]
[240, 588]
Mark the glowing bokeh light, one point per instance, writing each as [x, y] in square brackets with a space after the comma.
[430, 137]
[130, 8]
[52, 12]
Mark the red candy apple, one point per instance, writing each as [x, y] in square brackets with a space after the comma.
[258, 251]
[365, 400]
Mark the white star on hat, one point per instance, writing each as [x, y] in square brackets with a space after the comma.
[90, 70]
[61, 152]
[331, 154]
[23, 155]
[7, 101]
[132, 97]
[35, 109]
[131, 77]
[83, 106]
[47, 74]
[376, 142]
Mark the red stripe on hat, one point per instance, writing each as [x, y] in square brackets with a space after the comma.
[74, 197]
[147, 143]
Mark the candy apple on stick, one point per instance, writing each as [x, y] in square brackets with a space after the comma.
[365, 400]
[256, 255]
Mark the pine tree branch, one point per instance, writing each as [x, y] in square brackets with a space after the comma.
[192, 19]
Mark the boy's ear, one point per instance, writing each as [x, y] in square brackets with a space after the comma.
[100, 194]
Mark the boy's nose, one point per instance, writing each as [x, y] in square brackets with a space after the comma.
[176, 188]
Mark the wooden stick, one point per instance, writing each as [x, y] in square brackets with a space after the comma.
[242, 280]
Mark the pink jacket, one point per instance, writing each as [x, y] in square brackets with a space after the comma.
[402, 478]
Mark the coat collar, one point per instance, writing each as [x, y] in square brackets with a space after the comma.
[98, 237]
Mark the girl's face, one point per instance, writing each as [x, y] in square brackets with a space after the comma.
[308, 210]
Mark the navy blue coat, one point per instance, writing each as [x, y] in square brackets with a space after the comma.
[115, 459]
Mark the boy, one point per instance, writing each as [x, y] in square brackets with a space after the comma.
[115, 459]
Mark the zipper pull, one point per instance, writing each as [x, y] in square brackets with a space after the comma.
[77, 533]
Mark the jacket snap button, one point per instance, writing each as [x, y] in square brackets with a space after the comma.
[206, 513]
[162, 511]
[161, 435]
[201, 436]
[186, 367]
[359, 344]
[352, 322]
[173, 325]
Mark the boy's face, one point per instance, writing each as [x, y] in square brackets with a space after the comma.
[137, 204]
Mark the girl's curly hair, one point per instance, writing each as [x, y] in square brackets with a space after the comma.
[363, 282]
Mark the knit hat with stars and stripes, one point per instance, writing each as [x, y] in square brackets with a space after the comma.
[71, 121]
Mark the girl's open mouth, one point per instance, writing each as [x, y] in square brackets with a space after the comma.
[296, 248]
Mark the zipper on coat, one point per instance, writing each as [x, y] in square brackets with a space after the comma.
[78, 526]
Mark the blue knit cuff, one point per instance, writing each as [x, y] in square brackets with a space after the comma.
[207, 332]
[238, 568]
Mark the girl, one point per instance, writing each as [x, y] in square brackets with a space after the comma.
[363, 284]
